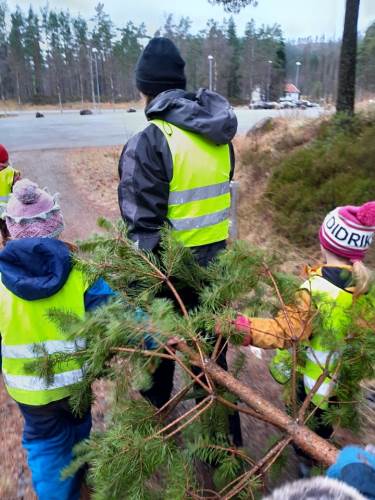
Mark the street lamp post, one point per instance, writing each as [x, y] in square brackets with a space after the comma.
[298, 65]
[210, 60]
[269, 80]
[95, 51]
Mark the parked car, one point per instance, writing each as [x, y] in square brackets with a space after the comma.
[287, 104]
[263, 105]
[257, 105]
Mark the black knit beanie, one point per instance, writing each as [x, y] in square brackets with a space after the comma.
[160, 67]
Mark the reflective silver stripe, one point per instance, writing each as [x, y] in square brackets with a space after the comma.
[195, 194]
[27, 351]
[4, 198]
[321, 285]
[32, 383]
[318, 357]
[200, 221]
[324, 389]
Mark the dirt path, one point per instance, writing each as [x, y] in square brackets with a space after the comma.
[51, 168]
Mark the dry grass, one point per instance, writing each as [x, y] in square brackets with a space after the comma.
[257, 155]
[95, 171]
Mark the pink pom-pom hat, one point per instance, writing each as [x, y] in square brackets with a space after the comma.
[32, 212]
[348, 231]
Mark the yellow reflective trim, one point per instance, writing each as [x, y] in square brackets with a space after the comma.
[201, 222]
[198, 208]
[205, 236]
[38, 398]
[32, 383]
[23, 366]
[6, 181]
[40, 349]
[199, 193]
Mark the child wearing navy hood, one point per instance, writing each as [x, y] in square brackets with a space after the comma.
[37, 275]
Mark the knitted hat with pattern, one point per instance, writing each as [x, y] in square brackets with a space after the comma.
[32, 212]
[348, 231]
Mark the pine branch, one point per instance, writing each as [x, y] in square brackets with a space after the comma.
[117, 350]
[310, 442]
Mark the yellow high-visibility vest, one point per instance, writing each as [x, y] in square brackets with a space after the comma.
[28, 334]
[199, 195]
[6, 184]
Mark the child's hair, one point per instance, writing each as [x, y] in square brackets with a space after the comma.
[363, 278]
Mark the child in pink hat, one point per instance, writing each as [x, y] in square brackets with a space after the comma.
[8, 177]
[345, 237]
[32, 212]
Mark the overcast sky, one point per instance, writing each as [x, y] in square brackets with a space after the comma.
[298, 18]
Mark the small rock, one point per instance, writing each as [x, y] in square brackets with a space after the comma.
[39, 115]
[85, 112]
[131, 110]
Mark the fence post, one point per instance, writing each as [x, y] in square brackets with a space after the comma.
[234, 193]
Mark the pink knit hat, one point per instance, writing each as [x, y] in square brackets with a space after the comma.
[348, 231]
[32, 212]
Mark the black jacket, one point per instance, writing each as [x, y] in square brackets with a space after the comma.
[146, 167]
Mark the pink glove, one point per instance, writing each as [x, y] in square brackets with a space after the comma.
[243, 324]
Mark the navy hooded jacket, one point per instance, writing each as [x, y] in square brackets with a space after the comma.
[37, 268]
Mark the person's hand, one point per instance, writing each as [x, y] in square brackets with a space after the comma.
[242, 324]
[173, 341]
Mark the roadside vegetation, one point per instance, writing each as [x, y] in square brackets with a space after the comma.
[316, 178]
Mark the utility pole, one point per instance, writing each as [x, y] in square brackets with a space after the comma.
[95, 51]
[269, 80]
[18, 88]
[298, 66]
[210, 59]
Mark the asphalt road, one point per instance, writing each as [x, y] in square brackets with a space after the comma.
[24, 132]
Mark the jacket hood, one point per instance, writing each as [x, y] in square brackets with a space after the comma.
[204, 112]
[35, 268]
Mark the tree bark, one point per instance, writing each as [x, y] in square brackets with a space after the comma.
[317, 447]
[348, 59]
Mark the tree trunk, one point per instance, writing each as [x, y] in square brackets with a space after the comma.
[348, 59]
[317, 447]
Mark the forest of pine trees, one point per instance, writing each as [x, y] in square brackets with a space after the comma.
[49, 55]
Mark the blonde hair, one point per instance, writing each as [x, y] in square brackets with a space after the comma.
[363, 278]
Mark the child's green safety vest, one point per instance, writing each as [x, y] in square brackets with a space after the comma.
[199, 193]
[333, 304]
[28, 334]
[6, 184]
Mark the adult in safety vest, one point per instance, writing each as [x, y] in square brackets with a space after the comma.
[8, 177]
[37, 275]
[177, 171]
[345, 236]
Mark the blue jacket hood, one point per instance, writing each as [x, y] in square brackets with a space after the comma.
[35, 268]
[204, 112]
